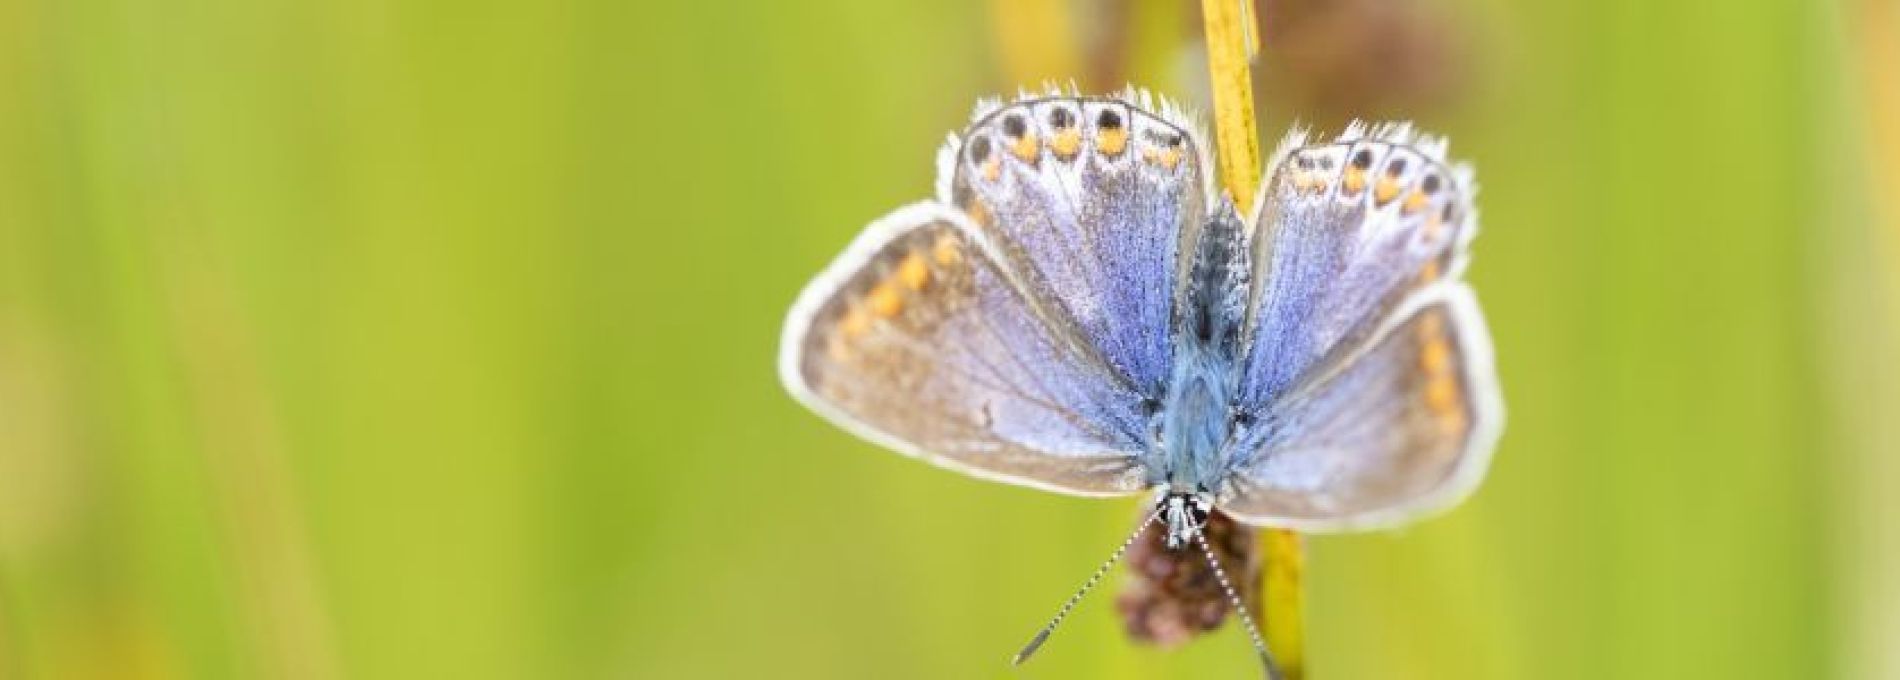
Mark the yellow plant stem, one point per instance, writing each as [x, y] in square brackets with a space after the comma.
[1230, 47]
[1284, 599]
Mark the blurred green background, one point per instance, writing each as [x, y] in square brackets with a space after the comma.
[435, 339]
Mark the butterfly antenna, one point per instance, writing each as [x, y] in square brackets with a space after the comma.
[1246, 618]
[1043, 635]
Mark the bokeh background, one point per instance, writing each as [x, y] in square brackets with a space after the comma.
[427, 339]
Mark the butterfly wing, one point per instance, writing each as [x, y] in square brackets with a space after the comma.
[1345, 231]
[1367, 379]
[1401, 428]
[1090, 200]
[919, 339]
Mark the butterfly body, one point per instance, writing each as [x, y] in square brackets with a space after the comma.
[1198, 415]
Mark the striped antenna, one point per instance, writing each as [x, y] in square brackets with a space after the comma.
[1246, 618]
[1042, 636]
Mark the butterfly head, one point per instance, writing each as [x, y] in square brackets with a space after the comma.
[1185, 515]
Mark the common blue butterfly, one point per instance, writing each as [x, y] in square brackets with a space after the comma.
[1080, 310]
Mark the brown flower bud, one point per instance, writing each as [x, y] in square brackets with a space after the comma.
[1174, 595]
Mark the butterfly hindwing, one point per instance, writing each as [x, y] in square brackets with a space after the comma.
[918, 339]
[1400, 428]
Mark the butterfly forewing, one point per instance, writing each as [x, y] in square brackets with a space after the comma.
[1346, 230]
[1095, 203]
[918, 339]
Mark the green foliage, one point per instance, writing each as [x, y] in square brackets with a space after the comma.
[435, 339]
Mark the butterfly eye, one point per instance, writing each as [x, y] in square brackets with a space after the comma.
[1198, 513]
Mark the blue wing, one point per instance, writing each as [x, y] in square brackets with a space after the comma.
[1037, 353]
[1366, 383]
[917, 338]
[1403, 427]
[1090, 200]
[1345, 231]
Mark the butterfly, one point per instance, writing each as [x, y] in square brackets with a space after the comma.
[1079, 310]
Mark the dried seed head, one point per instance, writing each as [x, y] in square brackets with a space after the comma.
[1174, 596]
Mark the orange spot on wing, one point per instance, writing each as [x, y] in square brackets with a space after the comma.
[1385, 190]
[855, 323]
[1435, 357]
[1355, 180]
[1441, 394]
[1111, 141]
[1066, 143]
[885, 300]
[1026, 147]
[978, 212]
[1442, 391]
[1414, 201]
[1167, 158]
[945, 251]
[913, 271]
